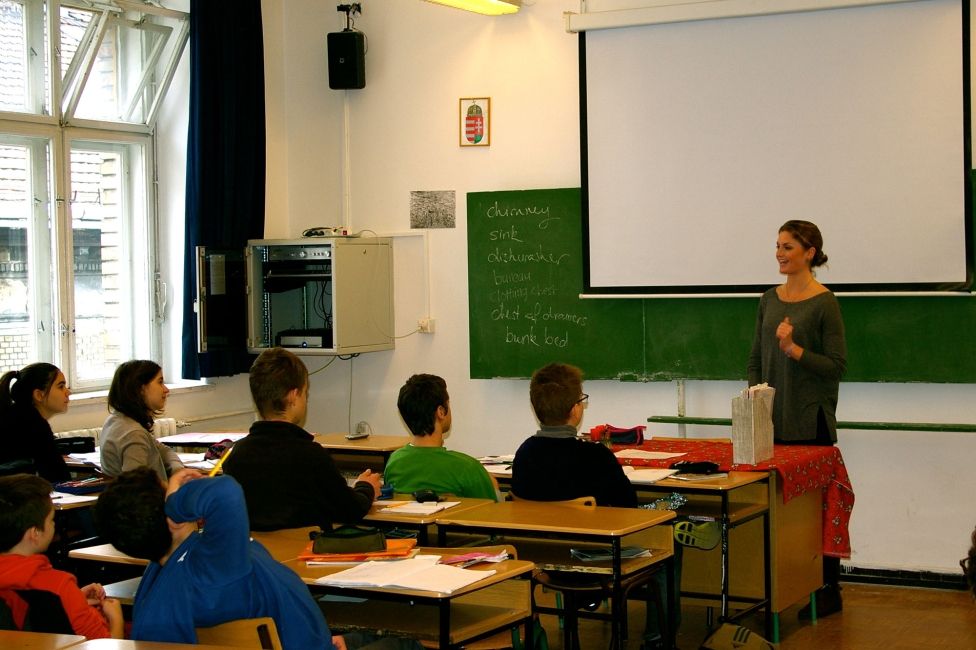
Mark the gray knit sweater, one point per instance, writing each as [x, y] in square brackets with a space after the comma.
[808, 386]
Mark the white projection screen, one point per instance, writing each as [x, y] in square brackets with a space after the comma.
[699, 139]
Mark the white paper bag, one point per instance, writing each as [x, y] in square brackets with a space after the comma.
[752, 425]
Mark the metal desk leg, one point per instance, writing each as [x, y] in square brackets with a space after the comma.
[725, 558]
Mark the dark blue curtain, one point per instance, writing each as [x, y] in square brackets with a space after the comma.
[225, 166]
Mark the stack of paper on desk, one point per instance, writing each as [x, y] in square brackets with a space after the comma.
[415, 508]
[647, 474]
[421, 573]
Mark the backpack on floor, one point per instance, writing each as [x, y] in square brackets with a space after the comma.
[735, 637]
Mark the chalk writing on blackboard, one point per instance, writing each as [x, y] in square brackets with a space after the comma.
[522, 293]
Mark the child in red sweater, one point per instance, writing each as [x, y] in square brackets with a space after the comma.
[26, 530]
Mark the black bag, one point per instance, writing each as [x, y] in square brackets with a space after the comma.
[217, 450]
[694, 467]
[348, 539]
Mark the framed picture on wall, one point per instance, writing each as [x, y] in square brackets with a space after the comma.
[474, 121]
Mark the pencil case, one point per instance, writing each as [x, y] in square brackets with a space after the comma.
[85, 486]
[617, 435]
[348, 539]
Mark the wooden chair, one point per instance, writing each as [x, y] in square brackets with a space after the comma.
[242, 633]
[583, 502]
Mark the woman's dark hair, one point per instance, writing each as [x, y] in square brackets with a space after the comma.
[36, 376]
[419, 400]
[131, 515]
[809, 236]
[968, 565]
[125, 393]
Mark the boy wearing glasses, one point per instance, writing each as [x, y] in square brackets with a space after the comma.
[554, 465]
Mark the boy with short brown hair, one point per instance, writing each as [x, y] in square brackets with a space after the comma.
[26, 530]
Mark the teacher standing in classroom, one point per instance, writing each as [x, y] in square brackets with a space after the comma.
[799, 349]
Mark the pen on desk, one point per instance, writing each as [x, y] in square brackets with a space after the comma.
[220, 462]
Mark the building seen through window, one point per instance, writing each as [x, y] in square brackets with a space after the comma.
[77, 202]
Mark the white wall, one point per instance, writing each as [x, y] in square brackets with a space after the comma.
[914, 509]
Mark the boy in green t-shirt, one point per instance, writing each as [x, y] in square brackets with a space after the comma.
[425, 463]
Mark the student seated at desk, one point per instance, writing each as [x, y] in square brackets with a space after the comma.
[201, 577]
[137, 395]
[425, 408]
[29, 398]
[26, 530]
[554, 465]
[290, 480]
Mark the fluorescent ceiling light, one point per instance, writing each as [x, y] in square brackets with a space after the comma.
[487, 7]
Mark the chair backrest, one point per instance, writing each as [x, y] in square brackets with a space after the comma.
[6, 617]
[242, 633]
[45, 613]
[18, 466]
[583, 502]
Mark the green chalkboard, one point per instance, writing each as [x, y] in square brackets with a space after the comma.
[525, 275]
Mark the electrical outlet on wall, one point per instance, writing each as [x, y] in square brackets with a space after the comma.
[425, 325]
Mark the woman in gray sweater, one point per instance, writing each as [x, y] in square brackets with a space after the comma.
[137, 395]
[799, 350]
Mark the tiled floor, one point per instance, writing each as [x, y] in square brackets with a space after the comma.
[874, 617]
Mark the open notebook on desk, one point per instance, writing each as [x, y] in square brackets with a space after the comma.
[415, 508]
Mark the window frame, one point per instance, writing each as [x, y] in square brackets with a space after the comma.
[62, 129]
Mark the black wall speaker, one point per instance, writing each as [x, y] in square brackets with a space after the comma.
[347, 60]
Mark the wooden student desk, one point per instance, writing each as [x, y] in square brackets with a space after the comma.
[372, 452]
[37, 640]
[127, 644]
[420, 523]
[566, 525]
[496, 603]
[731, 501]
[201, 439]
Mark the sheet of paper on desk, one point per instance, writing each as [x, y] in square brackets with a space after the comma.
[647, 455]
[647, 474]
[497, 460]
[92, 458]
[196, 461]
[499, 469]
[420, 572]
[415, 508]
[63, 498]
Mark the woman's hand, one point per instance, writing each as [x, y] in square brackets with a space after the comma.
[339, 643]
[784, 332]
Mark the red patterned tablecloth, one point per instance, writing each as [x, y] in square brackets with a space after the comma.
[801, 468]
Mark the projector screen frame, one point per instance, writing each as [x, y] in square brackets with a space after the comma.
[872, 288]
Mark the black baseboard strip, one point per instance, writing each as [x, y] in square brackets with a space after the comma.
[904, 578]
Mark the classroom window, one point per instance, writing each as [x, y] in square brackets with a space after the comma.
[77, 202]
